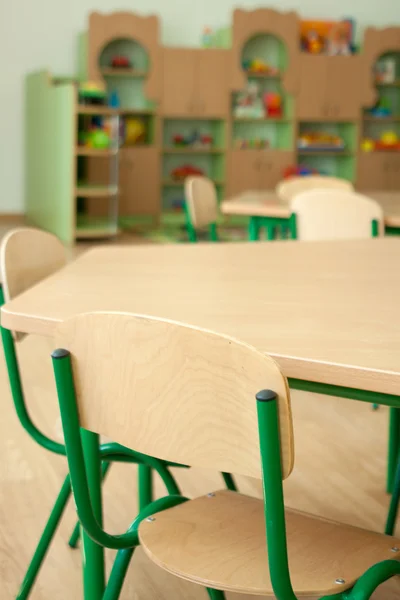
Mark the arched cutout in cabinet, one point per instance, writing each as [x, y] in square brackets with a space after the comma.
[118, 27]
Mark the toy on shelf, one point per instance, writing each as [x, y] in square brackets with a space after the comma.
[389, 140]
[385, 70]
[259, 66]
[273, 104]
[193, 140]
[134, 131]
[327, 37]
[114, 100]
[92, 93]
[299, 171]
[256, 143]
[320, 141]
[120, 61]
[248, 103]
[180, 173]
[98, 137]
[207, 38]
[381, 109]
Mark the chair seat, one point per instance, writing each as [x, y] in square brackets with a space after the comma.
[220, 542]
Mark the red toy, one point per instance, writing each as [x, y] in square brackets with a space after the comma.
[180, 173]
[120, 62]
[273, 104]
[299, 171]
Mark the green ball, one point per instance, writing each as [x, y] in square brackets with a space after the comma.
[99, 139]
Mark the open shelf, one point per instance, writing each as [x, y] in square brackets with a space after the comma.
[92, 227]
[82, 151]
[96, 110]
[95, 191]
[391, 119]
[266, 120]
[262, 75]
[395, 83]
[181, 183]
[135, 111]
[306, 152]
[186, 150]
[122, 72]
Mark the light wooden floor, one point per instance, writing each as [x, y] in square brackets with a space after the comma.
[339, 473]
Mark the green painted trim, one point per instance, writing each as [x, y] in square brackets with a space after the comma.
[344, 392]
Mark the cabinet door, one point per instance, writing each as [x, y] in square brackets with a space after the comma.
[243, 171]
[179, 76]
[311, 101]
[393, 170]
[139, 182]
[343, 87]
[372, 171]
[211, 89]
[273, 165]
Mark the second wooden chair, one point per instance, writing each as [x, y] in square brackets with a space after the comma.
[201, 207]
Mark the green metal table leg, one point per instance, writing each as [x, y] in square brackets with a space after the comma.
[253, 229]
[93, 554]
[394, 502]
[45, 540]
[118, 572]
[145, 486]
[270, 227]
[216, 594]
[394, 446]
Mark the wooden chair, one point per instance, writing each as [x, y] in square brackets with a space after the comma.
[201, 207]
[289, 188]
[26, 257]
[192, 396]
[322, 214]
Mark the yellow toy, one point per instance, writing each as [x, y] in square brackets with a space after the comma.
[389, 138]
[135, 131]
[368, 145]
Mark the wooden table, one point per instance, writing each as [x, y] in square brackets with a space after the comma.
[327, 311]
[268, 209]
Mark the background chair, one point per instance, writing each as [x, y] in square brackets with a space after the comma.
[289, 188]
[201, 207]
[322, 214]
[200, 398]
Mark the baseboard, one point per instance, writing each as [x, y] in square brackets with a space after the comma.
[11, 217]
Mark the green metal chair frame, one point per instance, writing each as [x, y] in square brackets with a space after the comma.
[192, 232]
[110, 453]
[125, 544]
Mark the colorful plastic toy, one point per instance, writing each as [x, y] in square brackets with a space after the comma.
[327, 37]
[389, 140]
[272, 104]
[320, 141]
[180, 173]
[368, 145]
[120, 61]
[135, 131]
[258, 65]
[194, 140]
[299, 171]
[92, 93]
[248, 103]
[256, 143]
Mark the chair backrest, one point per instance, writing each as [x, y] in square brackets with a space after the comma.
[334, 214]
[173, 391]
[289, 188]
[26, 257]
[201, 200]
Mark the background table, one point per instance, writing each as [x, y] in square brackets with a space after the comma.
[272, 211]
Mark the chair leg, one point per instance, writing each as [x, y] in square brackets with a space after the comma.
[118, 572]
[216, 594]
[394, 445]
[73, 540]
[394, 502]
[229, 482]
[145, 486]
[45, 540]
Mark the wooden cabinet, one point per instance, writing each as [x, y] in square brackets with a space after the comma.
[329, 88]
[378, 171]
[195, 83]
[107, 28]
[139, 182]
[247, 24]
[256, 169]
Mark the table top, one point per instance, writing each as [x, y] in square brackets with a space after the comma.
[269, 204]
[327, 311]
